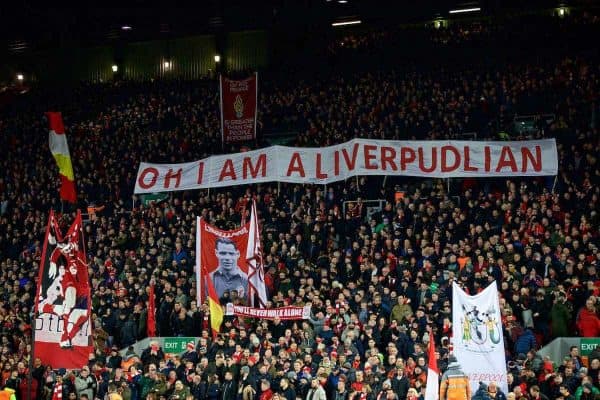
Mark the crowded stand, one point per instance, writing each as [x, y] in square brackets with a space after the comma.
[378, 282]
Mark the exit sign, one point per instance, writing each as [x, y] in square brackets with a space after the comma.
[587, 345]
[176, 344]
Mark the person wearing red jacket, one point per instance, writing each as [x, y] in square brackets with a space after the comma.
[266, 392]
[588, 322]
[24, 388]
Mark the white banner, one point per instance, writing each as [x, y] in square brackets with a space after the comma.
[439, 159]
[477, 336]
[254, 257]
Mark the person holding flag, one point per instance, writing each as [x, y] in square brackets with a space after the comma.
[433, 372]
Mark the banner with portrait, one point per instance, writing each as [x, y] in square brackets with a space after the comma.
[222, 260]
[238, 108]
[62, 331]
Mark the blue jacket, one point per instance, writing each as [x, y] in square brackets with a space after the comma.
[525, 342]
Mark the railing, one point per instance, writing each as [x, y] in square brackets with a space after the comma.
[370, 210]
[559, 347]
[555, 350]
[467, 136]
[525, 124]
[280, 138]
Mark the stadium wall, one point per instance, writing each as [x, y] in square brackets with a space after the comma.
[189, 57]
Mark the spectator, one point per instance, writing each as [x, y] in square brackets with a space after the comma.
[481, 393]
[113, 393]
[454, 384]
[560, 316]
[588, 322]
[535, 393]
[180, 391]
[387, 274]
[316, 391]
[494, 392]
[86, 383]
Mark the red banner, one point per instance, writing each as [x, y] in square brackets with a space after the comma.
[283, 313]
[238, 109]
[222, 260]
[62, 325]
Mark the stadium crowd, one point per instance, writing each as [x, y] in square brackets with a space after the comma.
[375, 281]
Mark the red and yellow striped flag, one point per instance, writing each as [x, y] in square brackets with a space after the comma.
[60, 152]
[215, 309]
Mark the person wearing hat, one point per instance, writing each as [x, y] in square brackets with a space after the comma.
[190, 353]
[115, 359]
[482, 392]
[316, 391]
[455, 383]
[385, 386]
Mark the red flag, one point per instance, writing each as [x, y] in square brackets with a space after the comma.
[60, 151]
[216, 311]
[63, 328]
[221, 266]
[151, 324]
[433, 373]
[238, 108]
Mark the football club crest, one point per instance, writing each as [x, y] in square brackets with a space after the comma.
[238, 106]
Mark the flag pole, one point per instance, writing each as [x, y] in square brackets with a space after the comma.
[199, 278]
[554, 184]
[36, 305]
[30, 373]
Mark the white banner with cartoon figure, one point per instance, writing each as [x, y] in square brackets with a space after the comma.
[477, 336]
